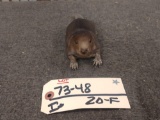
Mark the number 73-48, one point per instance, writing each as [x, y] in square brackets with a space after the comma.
[67, 89]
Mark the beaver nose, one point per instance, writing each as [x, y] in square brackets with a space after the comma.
[84, 51]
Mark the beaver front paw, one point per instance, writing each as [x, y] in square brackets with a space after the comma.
[74, 65]
[97, 61]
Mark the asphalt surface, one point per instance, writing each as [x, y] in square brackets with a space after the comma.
[32, 52]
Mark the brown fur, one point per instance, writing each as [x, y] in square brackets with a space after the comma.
[81, 41]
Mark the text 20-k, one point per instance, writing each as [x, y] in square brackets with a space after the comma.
[67, 90]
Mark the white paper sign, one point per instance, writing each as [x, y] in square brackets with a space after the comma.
[80, 93]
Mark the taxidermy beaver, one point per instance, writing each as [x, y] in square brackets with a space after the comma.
[81, 42]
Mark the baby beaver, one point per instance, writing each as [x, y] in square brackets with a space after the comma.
[81, 42]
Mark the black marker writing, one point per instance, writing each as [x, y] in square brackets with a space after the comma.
[67, 90]
[99, 100]
[81, 88]
[60, 89]
[78, 95]
[55, 109]
[90, 101]
[112, 99]
[87, 85]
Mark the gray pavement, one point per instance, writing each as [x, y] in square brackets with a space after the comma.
[32, 53]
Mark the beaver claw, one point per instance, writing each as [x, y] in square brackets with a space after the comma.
[74, 65]
[97, 62]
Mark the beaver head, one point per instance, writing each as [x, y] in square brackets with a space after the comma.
[83, 44]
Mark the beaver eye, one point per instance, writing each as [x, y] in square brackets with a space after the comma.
[90, 41]
[76, 42]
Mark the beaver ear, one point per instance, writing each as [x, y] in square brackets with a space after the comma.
[93, 36]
